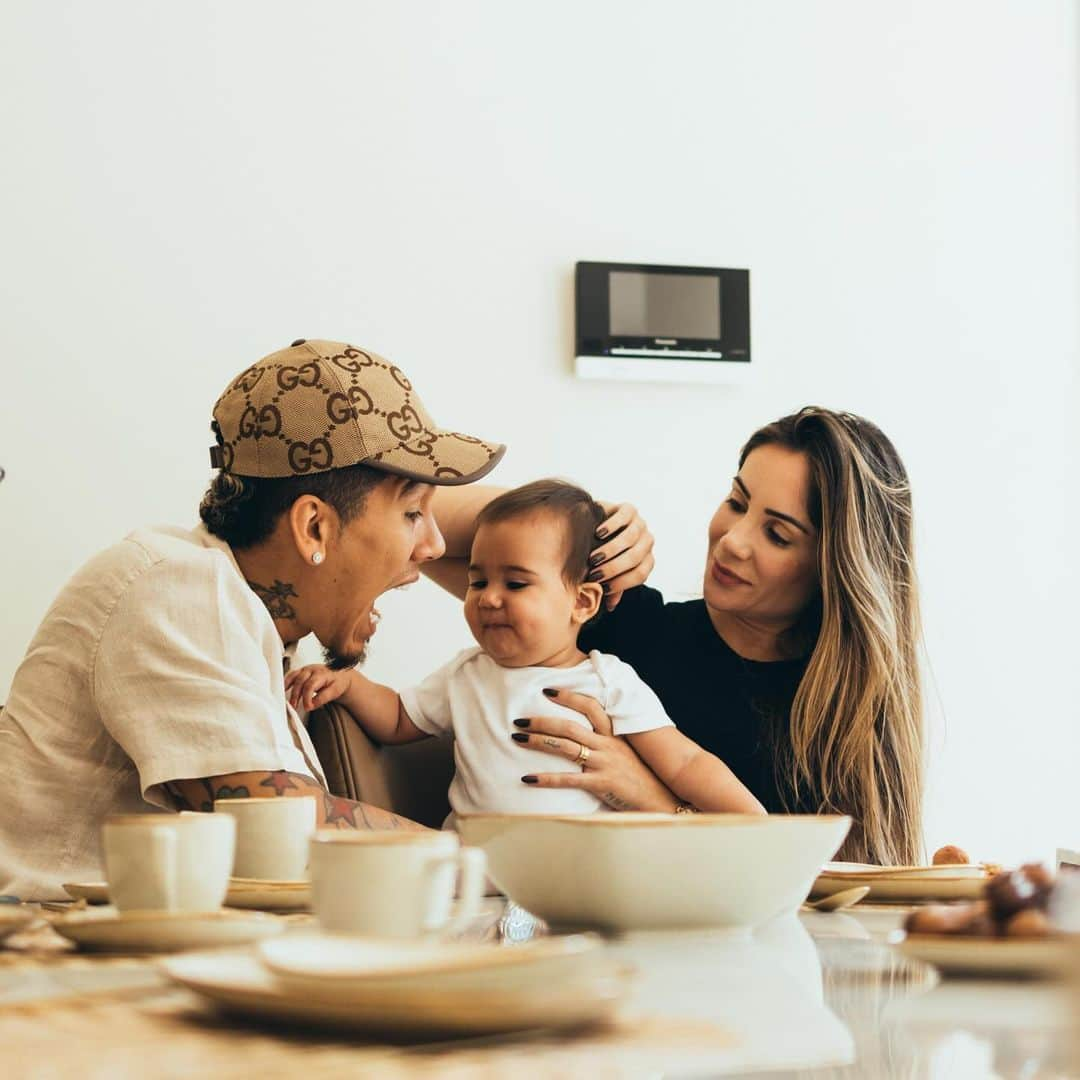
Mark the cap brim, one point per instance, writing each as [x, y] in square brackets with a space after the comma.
[446, 458]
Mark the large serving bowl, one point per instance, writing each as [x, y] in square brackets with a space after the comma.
[621, 872]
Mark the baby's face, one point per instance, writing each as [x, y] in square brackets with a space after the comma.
[518, 607]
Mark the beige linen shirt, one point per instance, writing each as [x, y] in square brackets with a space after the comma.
[156, 662]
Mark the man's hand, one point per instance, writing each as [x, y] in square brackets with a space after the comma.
[314, 685]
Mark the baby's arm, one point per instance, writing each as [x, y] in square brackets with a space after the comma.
[695, 775]
[377, 709]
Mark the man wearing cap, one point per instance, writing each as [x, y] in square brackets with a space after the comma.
[155, 680]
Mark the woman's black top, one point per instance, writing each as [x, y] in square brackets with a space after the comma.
[733, 707]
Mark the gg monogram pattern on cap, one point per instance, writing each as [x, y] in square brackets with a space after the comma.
[321, 405]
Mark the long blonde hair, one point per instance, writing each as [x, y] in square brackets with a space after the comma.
[854, 744]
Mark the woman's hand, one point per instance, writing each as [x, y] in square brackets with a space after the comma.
[611, 770]
[625, 559]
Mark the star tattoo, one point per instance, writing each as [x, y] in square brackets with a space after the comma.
[282, 781]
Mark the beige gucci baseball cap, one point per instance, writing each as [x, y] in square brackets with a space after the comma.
[320, 405]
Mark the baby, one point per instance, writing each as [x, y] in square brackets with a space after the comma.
[527, 600]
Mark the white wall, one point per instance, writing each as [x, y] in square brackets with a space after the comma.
[189, 186]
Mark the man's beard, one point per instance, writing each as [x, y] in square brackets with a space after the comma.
[336, 661]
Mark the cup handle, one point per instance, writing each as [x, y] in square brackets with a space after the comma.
[472, 866]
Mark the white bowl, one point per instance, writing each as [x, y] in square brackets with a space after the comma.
[655, 871]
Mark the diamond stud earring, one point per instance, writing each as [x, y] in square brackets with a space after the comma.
[316, 557]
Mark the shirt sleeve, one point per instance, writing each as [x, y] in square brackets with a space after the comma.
[631, 703]
[428, 703]
[629, 631]
[183, 682]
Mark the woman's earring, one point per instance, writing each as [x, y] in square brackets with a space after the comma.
[316, 557]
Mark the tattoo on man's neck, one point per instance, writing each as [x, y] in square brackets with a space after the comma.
[275, 597]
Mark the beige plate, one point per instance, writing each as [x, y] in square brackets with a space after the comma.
[906, 887]
[958, 955]
[269, 895]
[13, 918]
[93, 892]
[355, 965]
[239, 983]
[865, 870]
[106, 929]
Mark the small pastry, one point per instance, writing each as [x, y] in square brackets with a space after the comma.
[1029, 923]
[945, 919]
[1009, 893]
[1042, 878]
[1016, 890]
[950, 855]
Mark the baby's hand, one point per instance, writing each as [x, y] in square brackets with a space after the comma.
[314, 685]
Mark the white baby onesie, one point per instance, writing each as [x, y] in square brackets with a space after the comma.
[477, 701]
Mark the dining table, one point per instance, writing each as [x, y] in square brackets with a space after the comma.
[809, 995]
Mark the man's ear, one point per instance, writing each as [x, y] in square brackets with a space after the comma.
[311, 524]
[590, 595]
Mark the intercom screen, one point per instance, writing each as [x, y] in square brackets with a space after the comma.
[664, 305]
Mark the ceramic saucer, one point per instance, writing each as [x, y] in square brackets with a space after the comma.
[93, 892]
[957, 954]
[312, 963]
[240, 984]
[251, 893]
[106, 929]
[269, 895]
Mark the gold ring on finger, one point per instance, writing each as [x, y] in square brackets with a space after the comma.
[582, 756]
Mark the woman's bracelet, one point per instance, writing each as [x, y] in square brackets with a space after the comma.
[686, 808]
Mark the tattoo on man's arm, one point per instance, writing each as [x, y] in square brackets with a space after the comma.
[282, 781]
[342, 812]
[238, 792]
[275, 597]
[338, 813]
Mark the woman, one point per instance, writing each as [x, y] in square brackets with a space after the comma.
[798, 667]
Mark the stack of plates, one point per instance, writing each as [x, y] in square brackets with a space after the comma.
[251, 893]
[266, 895]
[411, 989]
[903, 883]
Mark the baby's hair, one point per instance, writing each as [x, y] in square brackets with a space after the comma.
[575, 507]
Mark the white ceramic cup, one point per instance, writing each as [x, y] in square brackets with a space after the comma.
[393, 884]
[272, 836]
[168, 862]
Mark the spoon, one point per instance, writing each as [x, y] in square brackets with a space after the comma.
[839, 900]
